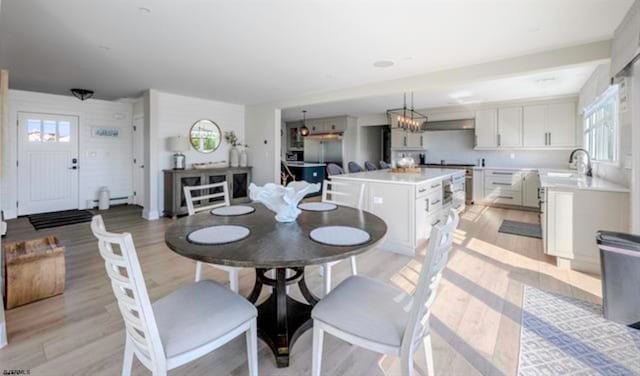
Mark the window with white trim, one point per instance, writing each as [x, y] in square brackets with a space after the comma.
[601, 127]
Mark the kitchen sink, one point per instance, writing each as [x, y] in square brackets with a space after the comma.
[565, 175]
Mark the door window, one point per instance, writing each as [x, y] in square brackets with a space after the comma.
[48, 130]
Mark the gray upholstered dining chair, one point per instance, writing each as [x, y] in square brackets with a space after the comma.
[370, 166]
[384, 165]
[354, 167]
[334, 169]
[381, 317]
[180, 327]
[206, 205]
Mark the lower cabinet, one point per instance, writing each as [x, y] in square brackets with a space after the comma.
[570, 220]
[507, 187]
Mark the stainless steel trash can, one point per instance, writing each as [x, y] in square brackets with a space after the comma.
[620, 265]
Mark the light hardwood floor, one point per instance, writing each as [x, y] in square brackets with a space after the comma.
[476, 317]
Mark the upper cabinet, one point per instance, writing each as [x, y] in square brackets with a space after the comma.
[327, 125]
[487, 128]
[535, 126]
[401, 139]
[510, 127]
[295, 140]
[561, 124]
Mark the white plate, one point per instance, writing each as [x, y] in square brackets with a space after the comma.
[343, 236]
[234, 210]
[317, 206]
[221, 234]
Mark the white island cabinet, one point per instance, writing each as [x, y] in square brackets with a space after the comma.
[409, 203]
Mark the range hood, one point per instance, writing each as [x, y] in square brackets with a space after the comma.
[450, 125]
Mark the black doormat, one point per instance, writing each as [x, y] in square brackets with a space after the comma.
[61, 218]
[532, 230]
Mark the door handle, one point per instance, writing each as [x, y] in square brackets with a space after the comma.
[73, 168]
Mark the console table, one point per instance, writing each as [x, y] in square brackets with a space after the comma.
[237, 178]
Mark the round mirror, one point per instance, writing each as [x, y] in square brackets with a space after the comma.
[205, 136]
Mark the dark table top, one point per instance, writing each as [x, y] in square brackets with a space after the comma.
[272, 244]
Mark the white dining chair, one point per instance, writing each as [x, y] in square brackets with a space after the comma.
[193, 209]
[381, 317]
[180, 327]
[340, 193]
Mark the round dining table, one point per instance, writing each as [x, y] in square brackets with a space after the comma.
[286, 248]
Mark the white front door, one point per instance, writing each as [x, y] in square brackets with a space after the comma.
[138, 161]
[47, 163]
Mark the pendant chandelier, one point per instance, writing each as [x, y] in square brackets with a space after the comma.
[407, 118]
[304, 131]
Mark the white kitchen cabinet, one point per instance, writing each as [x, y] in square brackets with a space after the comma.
[540, 125]
[507, 187]
[478, 185]
[510, 127]
[571, 218]
[550, 125]
[559, 212]
[415, 140]
[487, 128]
[530, 188]
[535, 126]
[399, 138]
[327, 125]
[561, 124]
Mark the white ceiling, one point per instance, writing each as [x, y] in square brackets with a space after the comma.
[550, 83]
[260, 51]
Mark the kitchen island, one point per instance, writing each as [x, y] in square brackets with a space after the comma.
[309, 172]
[410, 203]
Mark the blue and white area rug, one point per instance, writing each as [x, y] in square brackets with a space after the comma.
[567, 336]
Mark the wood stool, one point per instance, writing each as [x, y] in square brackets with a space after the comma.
[34, 270]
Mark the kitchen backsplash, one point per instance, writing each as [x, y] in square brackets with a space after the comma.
[457, 147]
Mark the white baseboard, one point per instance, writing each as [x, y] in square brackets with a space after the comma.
[3, 334]
[10, 214]
[150, 215]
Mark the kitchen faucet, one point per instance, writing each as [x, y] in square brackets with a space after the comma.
[571, 158]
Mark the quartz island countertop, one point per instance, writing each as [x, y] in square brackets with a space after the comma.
[386, 176]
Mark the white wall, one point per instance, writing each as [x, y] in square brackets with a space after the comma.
[595, 86]
[103, 161]
[174, 116]
[263, 124]
[370, 145]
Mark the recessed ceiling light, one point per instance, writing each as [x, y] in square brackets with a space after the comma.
[545, 80]
[144, 10]
[383, 64]
[460, 94]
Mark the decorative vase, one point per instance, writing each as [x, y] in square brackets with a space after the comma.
[244, 158]
[283, 200]
[234, 157]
